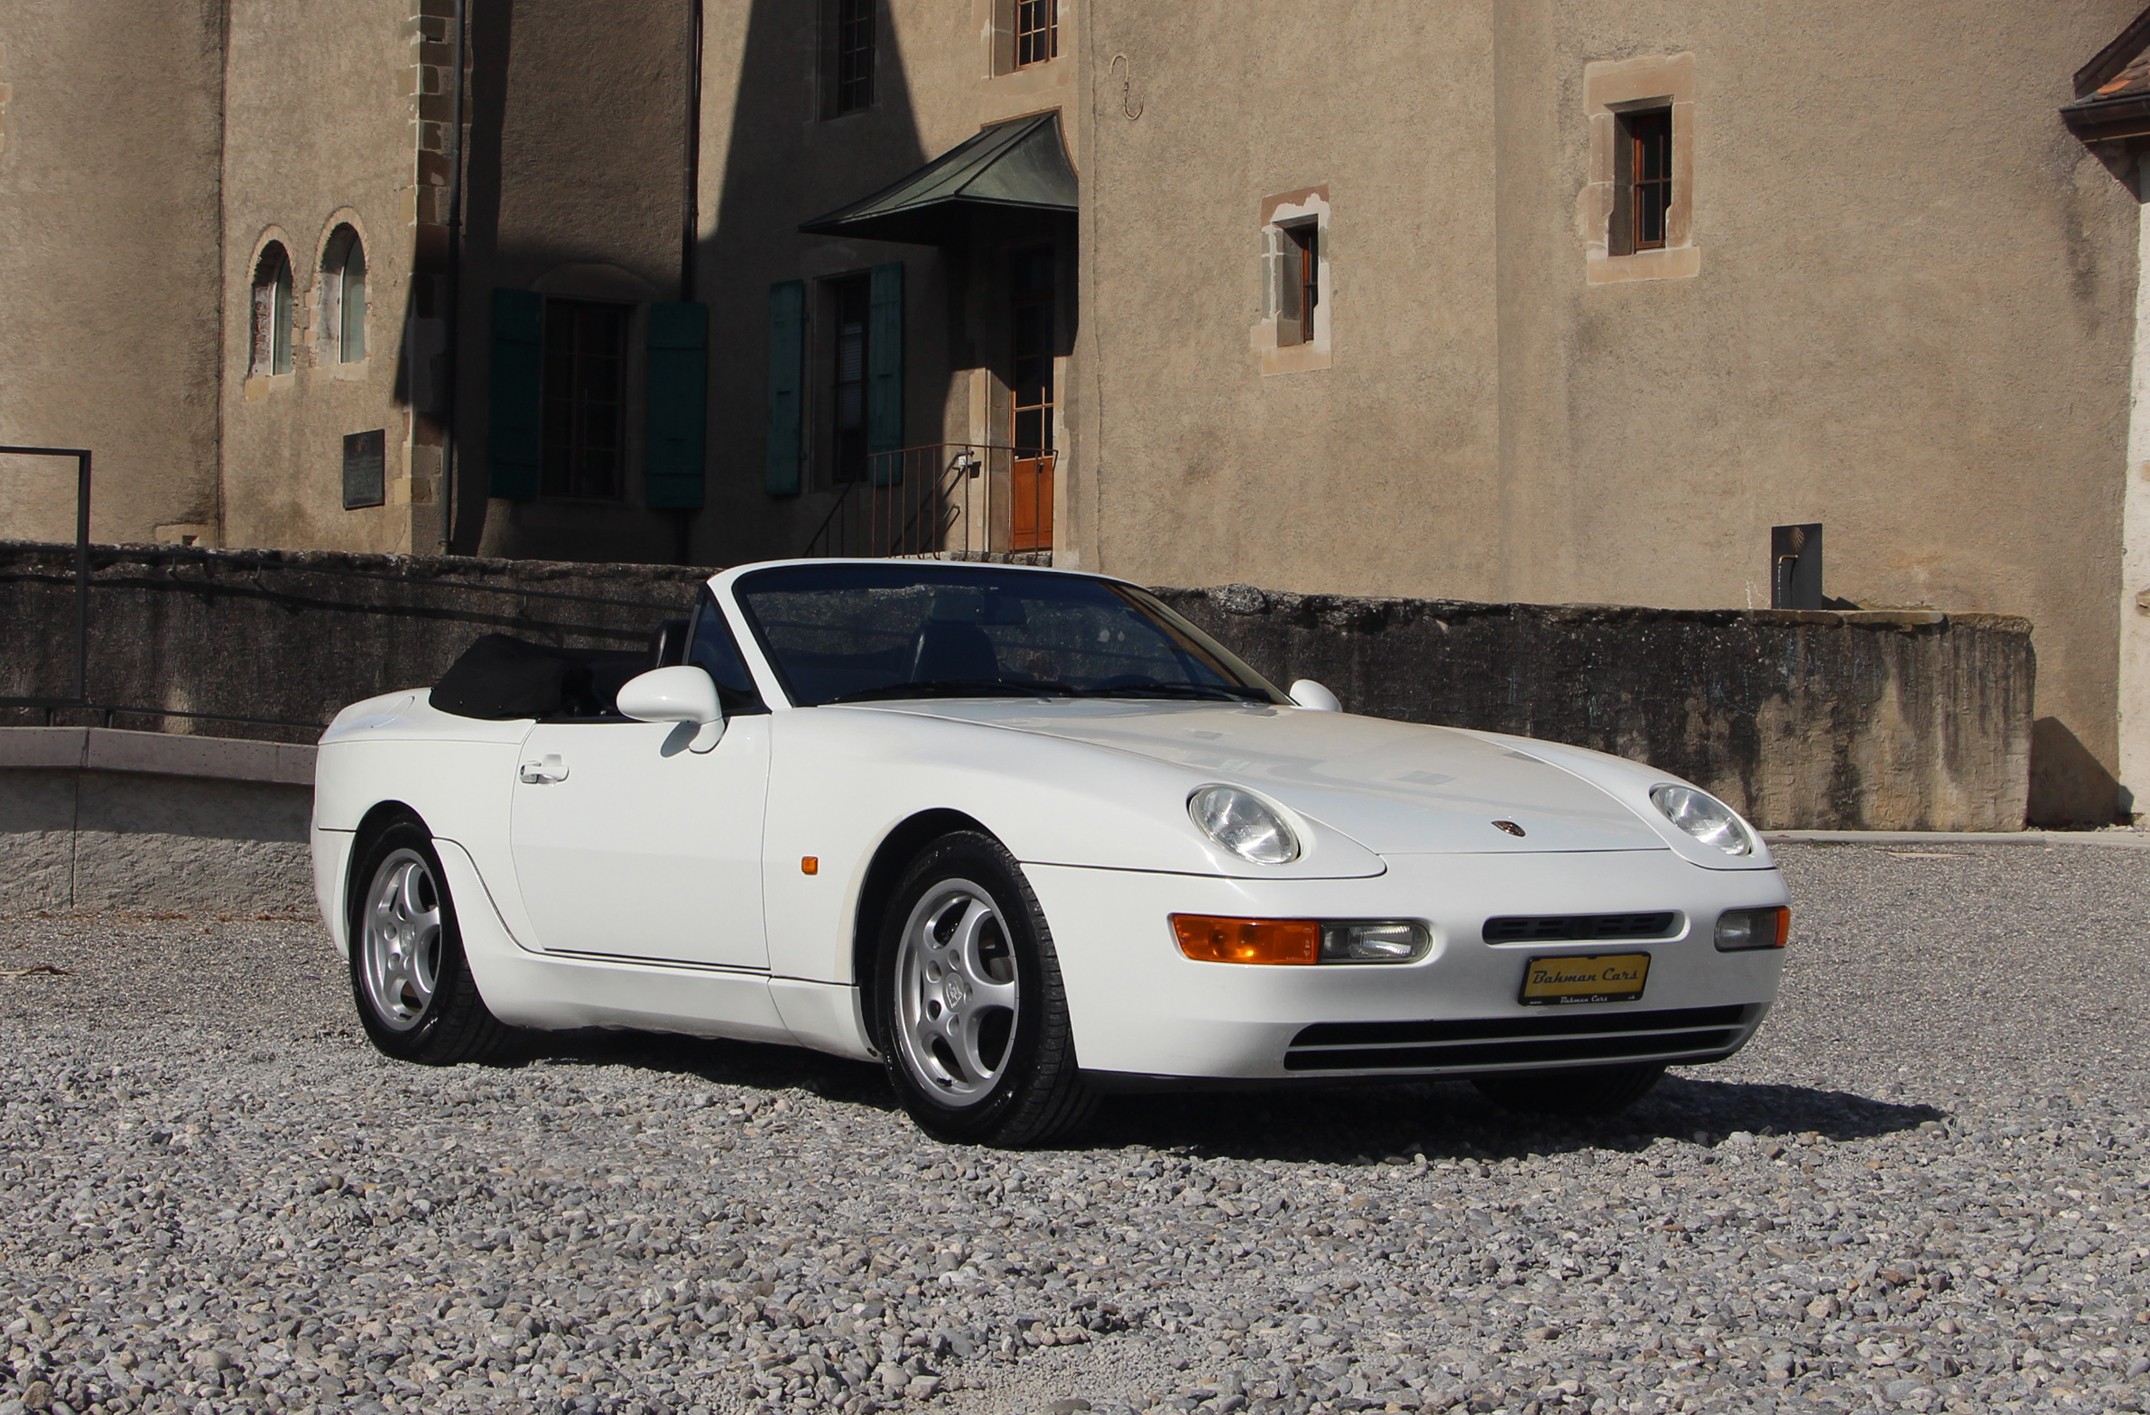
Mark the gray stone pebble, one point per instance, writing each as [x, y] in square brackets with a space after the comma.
[1925, 1187]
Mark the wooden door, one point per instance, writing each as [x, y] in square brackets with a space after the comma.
[1030, 421]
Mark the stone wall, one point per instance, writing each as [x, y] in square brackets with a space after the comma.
[1899, 721]
[288, 637]
[1805, 721]
[99, 819]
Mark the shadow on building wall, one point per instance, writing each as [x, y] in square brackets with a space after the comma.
[774, 162]
[788, 157]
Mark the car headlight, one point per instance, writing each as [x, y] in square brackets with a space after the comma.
[1244, 824]
[1704, 817]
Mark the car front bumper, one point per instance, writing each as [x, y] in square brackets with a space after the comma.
[1141, 1009]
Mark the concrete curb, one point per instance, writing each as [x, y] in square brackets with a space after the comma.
[2112, 839]
[157, 754]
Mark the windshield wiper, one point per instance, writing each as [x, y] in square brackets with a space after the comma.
[1203, 692]
[955, 688]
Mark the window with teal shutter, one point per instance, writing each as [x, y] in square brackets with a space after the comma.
[884, 374]
[678, 403]
[787, 376]
[518, 364]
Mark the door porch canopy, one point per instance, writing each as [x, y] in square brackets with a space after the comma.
[1017, 165]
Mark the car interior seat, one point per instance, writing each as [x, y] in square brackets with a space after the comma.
[951, 652]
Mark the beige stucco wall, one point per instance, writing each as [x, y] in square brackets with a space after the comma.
[1910, 320]
[1364, 476]
[109, 132]
[319, 132]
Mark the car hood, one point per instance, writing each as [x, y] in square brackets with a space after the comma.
[1395, 787]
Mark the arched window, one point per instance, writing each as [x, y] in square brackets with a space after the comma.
[343, 297]
[270, 351]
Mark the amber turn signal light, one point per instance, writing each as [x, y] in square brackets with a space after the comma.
[1208, 939]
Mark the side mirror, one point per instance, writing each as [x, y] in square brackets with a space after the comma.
[1313, 697]
[679, 694]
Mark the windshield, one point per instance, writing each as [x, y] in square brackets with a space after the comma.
[849, 633]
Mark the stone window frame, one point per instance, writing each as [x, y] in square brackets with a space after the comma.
[272, 306]
[1612, 87]
[1279, 215]
[332, 293]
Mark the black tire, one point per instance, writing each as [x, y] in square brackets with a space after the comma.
[964, 949]
[1576, 1094]
[409, 978]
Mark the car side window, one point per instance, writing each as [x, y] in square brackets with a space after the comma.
[711, 648]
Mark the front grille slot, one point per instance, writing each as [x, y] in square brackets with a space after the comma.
[1575, 928]
[1693, 1033]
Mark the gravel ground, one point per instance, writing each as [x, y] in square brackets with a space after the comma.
[1923, 1187]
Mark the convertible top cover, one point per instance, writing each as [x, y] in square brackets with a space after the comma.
[501, 677]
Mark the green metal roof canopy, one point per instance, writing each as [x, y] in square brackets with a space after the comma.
[1019, 165]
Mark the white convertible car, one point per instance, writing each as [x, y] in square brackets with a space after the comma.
[1026, 837]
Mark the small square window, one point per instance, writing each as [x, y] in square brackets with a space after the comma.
[1642, 180]
[1294, 335]
[1300, 291]
[1641, 113]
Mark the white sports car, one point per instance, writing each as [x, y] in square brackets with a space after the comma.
[1025, 836]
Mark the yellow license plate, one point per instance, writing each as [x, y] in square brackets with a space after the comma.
[1598, 977]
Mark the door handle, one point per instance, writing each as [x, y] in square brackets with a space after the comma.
[545, 771]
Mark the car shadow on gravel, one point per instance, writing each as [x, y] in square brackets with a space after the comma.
[1338, 1124]
[723, 1063]
[1399, 1121]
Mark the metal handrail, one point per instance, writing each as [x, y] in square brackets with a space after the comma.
[943, 500]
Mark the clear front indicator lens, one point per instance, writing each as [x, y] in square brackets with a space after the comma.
[1739, 929]
[1244, 824]
[1704, 817]
[1375, 941]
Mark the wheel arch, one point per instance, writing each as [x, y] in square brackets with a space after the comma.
[378, 818]
[891, 858]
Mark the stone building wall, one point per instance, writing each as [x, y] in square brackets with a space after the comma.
[322, 133]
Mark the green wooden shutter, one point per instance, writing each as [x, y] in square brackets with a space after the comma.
[787, 374]
[884, 373]
[678, 404]
[517, 376]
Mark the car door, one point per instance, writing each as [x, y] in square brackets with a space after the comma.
[628, 844]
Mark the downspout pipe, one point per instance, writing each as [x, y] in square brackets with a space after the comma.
[690, 224]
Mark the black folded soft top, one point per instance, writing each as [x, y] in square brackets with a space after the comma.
[501, 677]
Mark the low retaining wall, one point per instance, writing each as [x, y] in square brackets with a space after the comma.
[92, 818]
[1896, 721]
[1907, 720]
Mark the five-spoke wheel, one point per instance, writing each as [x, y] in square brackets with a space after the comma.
[970, 1016]
[956, 992]
[399, 941]
[409, 978]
